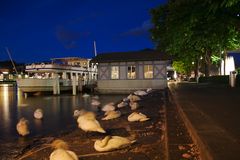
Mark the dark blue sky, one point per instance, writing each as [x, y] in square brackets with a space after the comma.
[37, 30]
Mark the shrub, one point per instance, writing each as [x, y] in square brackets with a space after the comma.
[219, 80]
[214, 79]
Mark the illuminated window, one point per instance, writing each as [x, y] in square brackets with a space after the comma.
[148, 71]
[131, 72]
[115, 72]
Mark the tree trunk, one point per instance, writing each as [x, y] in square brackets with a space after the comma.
[196, 70]
[207, 62]
[224, 62]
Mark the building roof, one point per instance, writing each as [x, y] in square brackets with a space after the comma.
[69, 59]
[143, 55]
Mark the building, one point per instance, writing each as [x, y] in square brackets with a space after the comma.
[123, 72]
[7, 71]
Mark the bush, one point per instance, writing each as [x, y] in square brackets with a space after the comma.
[214, 79]
[238, 80]
[219, 80]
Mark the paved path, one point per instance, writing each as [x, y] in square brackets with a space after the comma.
[214, 113]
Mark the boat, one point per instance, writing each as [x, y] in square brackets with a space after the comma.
[59, 74]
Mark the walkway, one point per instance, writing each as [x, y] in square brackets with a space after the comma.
[213, 112]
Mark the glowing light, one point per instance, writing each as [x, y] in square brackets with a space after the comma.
[230, 65]
[192, 62]
[5, 72]
[175, 75]
[5, 102]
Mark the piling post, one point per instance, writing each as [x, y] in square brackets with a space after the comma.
[80, 84]
[54, 86]
[58, 86]
[74, 85]
[25, 95]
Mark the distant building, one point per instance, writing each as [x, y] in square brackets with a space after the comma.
[123, 72]
[7, 71]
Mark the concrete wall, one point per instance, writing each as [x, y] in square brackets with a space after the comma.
[127, 86]
[124, 85]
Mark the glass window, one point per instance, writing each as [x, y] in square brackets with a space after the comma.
[115, 72]
[131, 72]
[148, 71]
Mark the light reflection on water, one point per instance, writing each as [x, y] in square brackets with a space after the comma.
[58, 112]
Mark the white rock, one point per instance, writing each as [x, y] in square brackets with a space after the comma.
[140, 93]
[125, 99]
[61, 151]
[122, 104]
[95, 102]
[95, 97]
[134, 98]
[38, 113]
[112, 115]
[149, 90]
[110, 143]
[22, 127]
[76, 113]
[88, 123]
[85, 95]
[137, 117]
[108, 107]
[134, 105]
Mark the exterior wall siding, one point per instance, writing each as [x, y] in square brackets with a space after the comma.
[122, 74]
[127, 86]
[124, 85]
[140, 72]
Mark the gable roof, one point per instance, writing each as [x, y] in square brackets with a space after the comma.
[143, 55]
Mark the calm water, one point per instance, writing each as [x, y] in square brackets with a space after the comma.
[58, 112]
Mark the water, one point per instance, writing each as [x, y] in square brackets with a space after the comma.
[58, 112]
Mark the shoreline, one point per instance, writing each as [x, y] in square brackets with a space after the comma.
[149, 135]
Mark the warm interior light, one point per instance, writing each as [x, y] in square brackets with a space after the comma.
[229, 66]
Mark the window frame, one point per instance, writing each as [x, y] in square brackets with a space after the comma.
[147, 70]
[131, 68]
[118, 74]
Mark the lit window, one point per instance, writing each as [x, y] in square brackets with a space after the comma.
[115, 72]
[131, 72]
[148, 71]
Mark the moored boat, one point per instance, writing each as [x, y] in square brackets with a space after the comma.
[60, 74]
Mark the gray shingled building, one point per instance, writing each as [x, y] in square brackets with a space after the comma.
[123, 72]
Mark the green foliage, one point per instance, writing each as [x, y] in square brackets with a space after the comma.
[215, 59]
[181, 67]
[190, 29]
[238, 71]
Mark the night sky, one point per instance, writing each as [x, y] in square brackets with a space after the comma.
[37, 30]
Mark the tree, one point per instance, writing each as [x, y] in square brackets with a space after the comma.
[190, 29]
[181, 67]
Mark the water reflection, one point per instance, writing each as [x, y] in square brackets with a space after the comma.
[58, 111]
[5, 103]
[7, 108]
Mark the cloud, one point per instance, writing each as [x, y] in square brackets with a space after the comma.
[139, 31]
[69, 38]
[81, 19]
